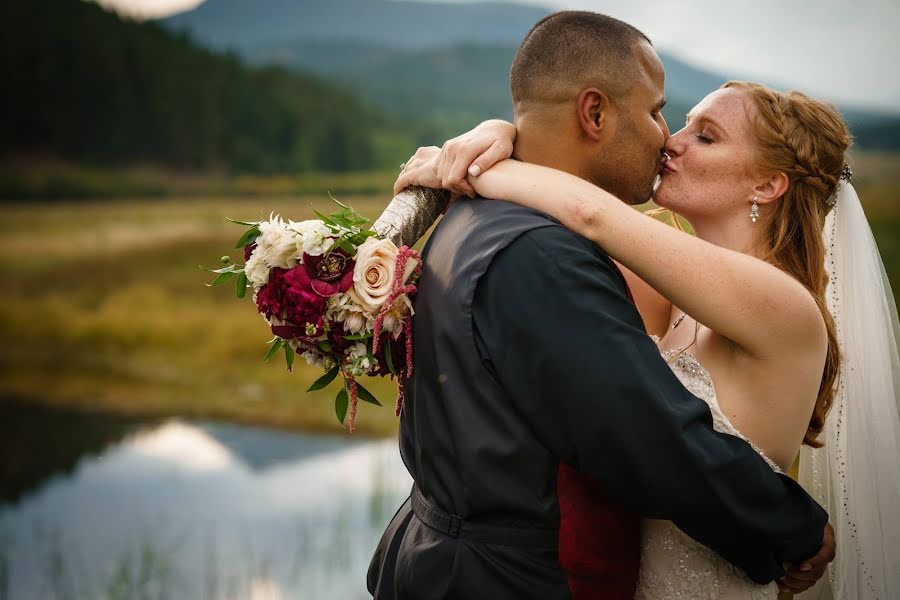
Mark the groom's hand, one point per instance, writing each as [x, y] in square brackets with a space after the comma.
[799, 578]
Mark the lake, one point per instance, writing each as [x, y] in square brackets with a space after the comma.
[194, 509]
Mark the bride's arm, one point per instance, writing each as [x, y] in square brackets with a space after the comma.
[740, 297]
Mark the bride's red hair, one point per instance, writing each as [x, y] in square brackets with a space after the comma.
[807, 140]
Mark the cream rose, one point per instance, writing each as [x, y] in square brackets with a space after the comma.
[373, 275]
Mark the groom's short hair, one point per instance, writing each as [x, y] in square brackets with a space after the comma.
[574, 48]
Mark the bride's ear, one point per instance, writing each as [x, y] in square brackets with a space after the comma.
[596, 114]
[772, 189]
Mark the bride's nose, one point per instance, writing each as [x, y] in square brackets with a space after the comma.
[674, 146]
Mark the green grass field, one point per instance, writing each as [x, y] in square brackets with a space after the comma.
[105, 307]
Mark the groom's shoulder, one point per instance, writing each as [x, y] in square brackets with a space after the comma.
[477, 218]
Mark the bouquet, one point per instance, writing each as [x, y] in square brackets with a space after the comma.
[334, 292]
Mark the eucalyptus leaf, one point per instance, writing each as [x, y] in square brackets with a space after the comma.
[248, 238]
[276, 346]
[240, 286]
[366, 395]
[325, 379]
[289, 356]
[341, 402]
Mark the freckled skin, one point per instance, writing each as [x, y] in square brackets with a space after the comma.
[711, 180]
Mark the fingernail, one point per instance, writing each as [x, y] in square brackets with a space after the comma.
[806, 567]
[474, 170]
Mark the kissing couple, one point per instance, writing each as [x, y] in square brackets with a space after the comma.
[604, 405]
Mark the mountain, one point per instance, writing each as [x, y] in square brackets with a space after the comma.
[239, 24]
[446, 63]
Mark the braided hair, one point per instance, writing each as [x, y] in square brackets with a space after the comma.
[807, 140]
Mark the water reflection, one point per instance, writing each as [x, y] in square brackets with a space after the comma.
[194, 510]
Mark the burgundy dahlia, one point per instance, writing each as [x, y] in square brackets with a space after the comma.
[270, 298]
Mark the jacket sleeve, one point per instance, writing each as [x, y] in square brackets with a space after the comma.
[556, 328]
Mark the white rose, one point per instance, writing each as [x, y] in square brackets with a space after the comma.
[256, 269]
[373, 275]
[315, 237]
[279, 243]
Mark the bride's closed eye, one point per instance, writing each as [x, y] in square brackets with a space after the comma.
[704, 138]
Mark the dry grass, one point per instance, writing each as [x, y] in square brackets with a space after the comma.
[104, 307]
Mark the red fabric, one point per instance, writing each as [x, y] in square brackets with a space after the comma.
[599, 541]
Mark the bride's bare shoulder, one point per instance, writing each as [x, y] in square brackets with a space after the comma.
[654, 308]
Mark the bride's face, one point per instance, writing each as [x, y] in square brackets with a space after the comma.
[711, 171]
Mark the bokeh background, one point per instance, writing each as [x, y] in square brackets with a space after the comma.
[145, 448]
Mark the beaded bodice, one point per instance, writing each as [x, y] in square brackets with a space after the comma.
[672, 564]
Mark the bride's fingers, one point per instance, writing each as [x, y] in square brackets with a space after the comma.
[455, 179]
[422, 175]
[499, 150]
[795, 586]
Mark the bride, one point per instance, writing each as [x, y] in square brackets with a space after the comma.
[777, 312]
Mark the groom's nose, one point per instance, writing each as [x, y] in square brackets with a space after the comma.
[665, 127]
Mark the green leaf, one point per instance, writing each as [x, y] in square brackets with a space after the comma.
[240, 286]
[248, 238]
[248, 223]
[325, 346]
[228, 269]
[276, 346]
[338, 202]
[325, 379]
[341, 402]
[347, 247]
[341, 221]
[289, 356]
[358, 337]
[334, 246]
[221, 278]
[389, 357]
[366, 395]
[325, 218]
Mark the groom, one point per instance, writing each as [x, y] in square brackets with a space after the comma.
[539, 408]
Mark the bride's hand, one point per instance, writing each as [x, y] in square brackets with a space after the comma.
[420, 170]
[472, 153]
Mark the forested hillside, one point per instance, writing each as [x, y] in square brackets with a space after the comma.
[83, 85]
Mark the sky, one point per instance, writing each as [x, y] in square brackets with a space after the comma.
[843, 51]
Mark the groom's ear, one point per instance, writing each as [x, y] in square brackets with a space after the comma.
[596, 114]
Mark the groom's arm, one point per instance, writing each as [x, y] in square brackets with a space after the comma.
[557, 329]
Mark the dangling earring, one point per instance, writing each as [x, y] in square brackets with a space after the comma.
[754, 209]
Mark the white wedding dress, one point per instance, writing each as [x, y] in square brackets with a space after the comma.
[672, 564]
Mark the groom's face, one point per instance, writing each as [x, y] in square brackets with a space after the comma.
[635, 152]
